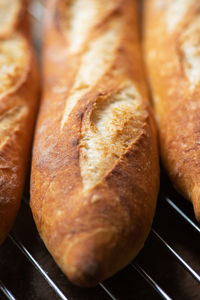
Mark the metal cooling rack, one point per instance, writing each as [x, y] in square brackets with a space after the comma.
[38, 261]
[167, 268]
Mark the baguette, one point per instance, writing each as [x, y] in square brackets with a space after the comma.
[18, 103]
[172, 51]
[95, 172]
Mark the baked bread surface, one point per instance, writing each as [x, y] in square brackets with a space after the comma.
[18, 103]
[172, 51]
[95, 173]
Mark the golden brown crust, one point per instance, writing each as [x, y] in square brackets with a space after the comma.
[93, 185]
[173, 59]
[18, 104]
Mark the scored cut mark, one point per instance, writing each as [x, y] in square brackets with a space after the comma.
[114, 124]
[9, 11]
[94, 63]
[13, 61]
[80, 17]
[175, 12]
[190, 47]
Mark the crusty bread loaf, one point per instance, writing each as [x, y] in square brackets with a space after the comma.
[18, 103]
[172, 47]
[95, 172]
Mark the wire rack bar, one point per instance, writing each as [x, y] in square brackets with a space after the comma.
[50, 282]
[152, 283]
[180, 212]
[44, 274]
[180, 259]
[6, 292]
[107, 291]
